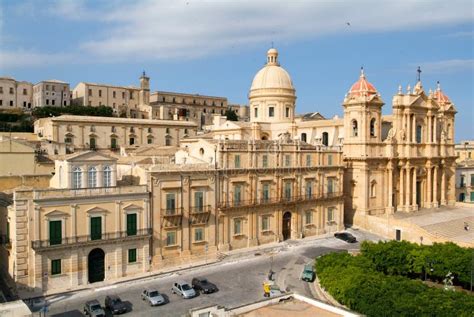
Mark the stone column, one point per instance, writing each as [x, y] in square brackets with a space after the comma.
[429, 187]
[443, 185]
[435, 130]
[407, 188]
[401, 203]
[435, 187]
[414, 190]
[413, 129]
[390, 189]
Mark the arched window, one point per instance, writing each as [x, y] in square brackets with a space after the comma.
[372, 127]
[107, 176]
[373, 189]
[92, 177]
[355, 131]
[419, 130]
[92, 143]
[76, 177]
[303, 137]
[325, 138]
[167, 140]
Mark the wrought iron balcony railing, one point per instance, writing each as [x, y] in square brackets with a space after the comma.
[39, 245]
[170, 212]
[200, 209]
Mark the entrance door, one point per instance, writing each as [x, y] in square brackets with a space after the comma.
[96, 265]
[286, 226]
[398, 235]
[418, 194]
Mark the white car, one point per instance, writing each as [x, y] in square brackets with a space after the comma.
[153, 297]
[183, 289]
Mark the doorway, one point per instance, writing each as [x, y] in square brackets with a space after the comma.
[418, 194]
[96, 265]
[286, 226]
[398, 235]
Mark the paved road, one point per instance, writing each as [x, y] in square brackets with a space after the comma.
[238, 278]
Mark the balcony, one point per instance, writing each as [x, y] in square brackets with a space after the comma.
[199, 215]
[296, 199]
[84, 240]
[86, 192]
[171, 217]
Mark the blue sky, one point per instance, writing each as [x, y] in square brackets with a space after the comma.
[215, 48]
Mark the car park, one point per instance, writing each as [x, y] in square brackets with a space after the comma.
[153, 297]
[92, 308]
[203, 286]
[114, 304]
[345, 236]
[308, 273]
[183, 289]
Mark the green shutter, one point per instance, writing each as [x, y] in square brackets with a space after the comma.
[131, 224]
[96, 228]
[199, 201]
[132, 255]
[472, 197]
[55, 267]
[55, 232]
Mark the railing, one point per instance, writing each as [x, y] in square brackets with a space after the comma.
[169, 212]
[85, 192]
[87, 239]
[278, 200]
[200, 209]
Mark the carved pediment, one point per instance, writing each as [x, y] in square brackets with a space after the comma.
[132, 207]
[97, 210]
[56, 213]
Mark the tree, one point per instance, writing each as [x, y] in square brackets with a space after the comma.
[231, 115]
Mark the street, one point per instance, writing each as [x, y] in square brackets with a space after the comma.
[239, 280]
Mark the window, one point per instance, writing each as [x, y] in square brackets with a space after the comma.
[287, 112]
[308, 160]
[24, 92]
[132, 255]
[65, 103]
[266, 192]
[113, 143]
[53, 88]
[199, 201]
[329, 159]
[11, 91]
[237, 194]
[170, 204]
[472, 197]
[55, 232]
[355, 130]
[419, 130]
[92, 143]
[167, 140]
[107, 176]
[198, 234]
[123, 95]
[1, 90]
[255, 112]
[131, 224]
[150, 130]
[237, 226]
[171, 238]
[90, 92]
[472, 180]
[461, 182]
[372, 127]
[373, 189]
[185, 131]
[330, 185]
[265, 160]
[113, 94]
[92, 177]
[303, 137]
[265, 223]
[76, 177]
[308, 217]
[149, 140]
[1, 102]
[288, 190]
[287, 160]
[331, 214]
[237, 161]
[309, 189]
[131, 141]
[167, 130]
[271, 112]
[96, 228]
[325, 138]
[131, 95]
[462, 197]
[56, 267]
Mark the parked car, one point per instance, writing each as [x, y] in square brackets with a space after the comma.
[183, 289]
[92, 308]
[153, 297]
[202, 285]
[345, 236]
[308, 273]
[115, 305]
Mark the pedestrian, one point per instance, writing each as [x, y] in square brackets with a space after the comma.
[466, 226]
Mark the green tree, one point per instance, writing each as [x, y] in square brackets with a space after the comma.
[231, 115]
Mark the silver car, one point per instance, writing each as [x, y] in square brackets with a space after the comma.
[183, 289]
[153, 297]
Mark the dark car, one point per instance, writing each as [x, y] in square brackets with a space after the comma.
[115, 305]
[345, 236]
[92, 308]
[203, 286]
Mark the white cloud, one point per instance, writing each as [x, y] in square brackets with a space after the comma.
[448, 66]
[24, 58]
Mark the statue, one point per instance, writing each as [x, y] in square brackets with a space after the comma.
[391, 134]
[403, 134]
[448, 282]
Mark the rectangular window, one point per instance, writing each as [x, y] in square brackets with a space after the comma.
[113, 143]
[170, 204]
[55, 232]
[96, 228]
[24, 92]
[271, 112]
[237, 226]
[199, 201]
[132, 255]
[287, 112]
[266, 193]
[331, 214]
[256, 112]
[113, 94]
[287, 190]
[461, 182]
[131, 224]
[472, 180]
[329, 159]
[123, 95]
[171, 238]
[47, 102]
[100, 93]
[308, 217]
[330, 186]
[198, 234]
[53, 102]
[287, 160]
[309, 189]
[90, 92]
[265, 160]
[308, 160]
[265, 223]
[150, 141]
[237, 195]
[472, 197]
[56, 267]
[237, 161]
[132, 141]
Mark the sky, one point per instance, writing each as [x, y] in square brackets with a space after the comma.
[216, 47]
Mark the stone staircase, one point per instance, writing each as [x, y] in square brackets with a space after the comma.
[451, 229]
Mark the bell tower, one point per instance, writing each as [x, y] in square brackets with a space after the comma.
[144, 90]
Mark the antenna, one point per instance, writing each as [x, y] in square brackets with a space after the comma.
[418, 77]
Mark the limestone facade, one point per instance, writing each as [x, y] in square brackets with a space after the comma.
[15, 94]
[53, 92]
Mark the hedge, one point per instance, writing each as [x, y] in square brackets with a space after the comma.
[355, 282]
[48, 111]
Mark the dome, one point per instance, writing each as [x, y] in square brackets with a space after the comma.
[362, 87]
[440, 96]
[272, 75]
